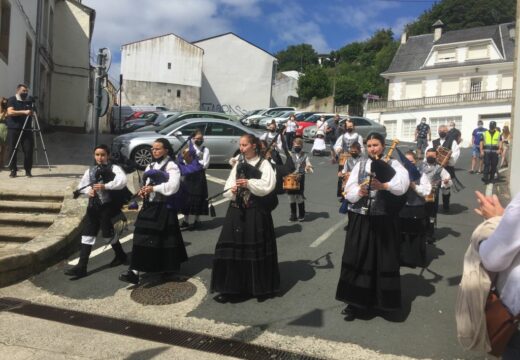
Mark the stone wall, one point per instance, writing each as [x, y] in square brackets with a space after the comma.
[173, 96]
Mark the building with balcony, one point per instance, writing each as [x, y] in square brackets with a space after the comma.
[461, 76]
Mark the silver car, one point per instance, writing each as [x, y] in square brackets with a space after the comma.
[363, 127]
[220, 136]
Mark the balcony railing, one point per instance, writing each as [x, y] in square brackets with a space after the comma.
[472, 97]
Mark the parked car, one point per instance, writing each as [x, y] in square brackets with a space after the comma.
[363, 127]
[220, 136]
[134, 124]
[267, 112]
[127, 110]
[139, 115]
[311, 121]
[302, 115]
[250, 113]
[280, 118]
[161, 124]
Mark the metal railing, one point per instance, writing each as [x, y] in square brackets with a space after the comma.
[483, 96]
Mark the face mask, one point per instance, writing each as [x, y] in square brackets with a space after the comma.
[423, 121]
[349, 130]
[297, 149]
[23, 96]
[442, 134]
[430, 160]
[354, 155]
[199, 142]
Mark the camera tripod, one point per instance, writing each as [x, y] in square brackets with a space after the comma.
[35, 128]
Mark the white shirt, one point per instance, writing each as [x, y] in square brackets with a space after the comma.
[258, 187]
[269, 136]
[118, 183]
[501, 253]
[172, 185]
[424, 187]
[455, 151]
[321, 125]
[202, 155]
[348, 137]
[398, 185]
[291, 126]
[319, 144]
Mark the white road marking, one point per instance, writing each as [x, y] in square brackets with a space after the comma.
[328, 233]
[215, 179]
[130, 236]
[489, 189]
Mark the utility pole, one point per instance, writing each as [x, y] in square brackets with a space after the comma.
[101, 73]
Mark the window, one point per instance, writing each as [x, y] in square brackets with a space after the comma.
[449, 86]
[391, 128]
[408, 129]
[51, 29]
[178, 93]
[191, 128]
[28, 60]
[435, 122]
[413, 89]
[476, 85]
[507, 81]
[169, 91]
[169, 66]
[5, 25]
[478, 52]
[446, 55]
[360, 122]
[217, 129]
[45, 23]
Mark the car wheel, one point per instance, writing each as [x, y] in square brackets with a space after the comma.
[142, 156]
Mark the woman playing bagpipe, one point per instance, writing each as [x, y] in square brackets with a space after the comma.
[101, 183]
[414, 220]
[195, 183]
[246, 261]
[370, 264]
[158, 245]
[303, 165]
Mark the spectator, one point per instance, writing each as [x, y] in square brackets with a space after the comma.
[490, 147]
[506, 141]
[330, 135]
[454, 133]
[423, 134]
[3, 131]
[476, 160]
[500, 254]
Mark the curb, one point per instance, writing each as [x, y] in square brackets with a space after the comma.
[51, 246]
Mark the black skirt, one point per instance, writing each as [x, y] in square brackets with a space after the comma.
[161, 248]
[370, 265]
[413, 236]
[196, 187]
[246, 260]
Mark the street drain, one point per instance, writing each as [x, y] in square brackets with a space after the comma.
[163, 293]
[165, 335]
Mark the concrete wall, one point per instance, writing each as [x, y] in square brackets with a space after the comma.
[154, 93]
[236, 74]
[148, 60]
[70, 78]
[12, 71]
[284, 87]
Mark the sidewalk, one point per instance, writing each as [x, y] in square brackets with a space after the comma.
[69, 155]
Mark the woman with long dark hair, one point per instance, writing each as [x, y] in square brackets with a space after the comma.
[246, 260]
[370, 265]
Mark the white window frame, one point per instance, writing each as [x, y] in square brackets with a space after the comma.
[390, 134]
[442, 55]
[408, 129]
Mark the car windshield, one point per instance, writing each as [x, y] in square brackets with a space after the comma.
[172, 127]
[163, 117]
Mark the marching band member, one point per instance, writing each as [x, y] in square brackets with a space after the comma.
[271, 134]
[440, 180]
[246, 260]
[355, 156]
[450, 144]
[350, 136]
[303, 165]
[414, 220]
[195, 183]
[158, 245]
[318, 146]
[99, 184]
[370, 264]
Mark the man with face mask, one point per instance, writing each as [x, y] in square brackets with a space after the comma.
[348, 138]
[476, 136]
[490, 147]
[450, 144]
[423, 134]
[440, 180]
[19, 110]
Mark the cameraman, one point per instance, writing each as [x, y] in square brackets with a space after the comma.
[18, 111]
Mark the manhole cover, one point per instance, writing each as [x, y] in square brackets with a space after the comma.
[163, 293]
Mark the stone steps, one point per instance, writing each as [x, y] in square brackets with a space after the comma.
[27, 219]
[20, 234]
[29, 206]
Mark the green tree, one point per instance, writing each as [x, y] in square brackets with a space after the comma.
[314, 83]
[297, 57]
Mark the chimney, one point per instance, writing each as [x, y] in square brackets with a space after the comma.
[404, 37]
[437, 30]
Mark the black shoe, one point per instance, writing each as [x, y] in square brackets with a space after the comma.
[194, 226]
[129, 277]
[28, 174]
[118, 261]
[184, 225]
[293, 218]
[12, 174]
[76, 272]
[221, 298]
[349, 312]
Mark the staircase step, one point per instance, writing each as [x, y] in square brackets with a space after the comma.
[34, 219]
[37, 197]
[19, 234]
[27, 206]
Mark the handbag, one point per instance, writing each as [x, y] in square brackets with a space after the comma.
[501, 325]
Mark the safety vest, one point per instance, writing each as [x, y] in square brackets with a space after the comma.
[491, 141]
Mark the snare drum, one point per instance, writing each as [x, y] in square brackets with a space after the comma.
[291, 182]
[430, 197]
[343, 158]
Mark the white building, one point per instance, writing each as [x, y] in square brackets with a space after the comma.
[165, 70]
[237, 76]
[59, 76]
[285, 88]
[462, 76]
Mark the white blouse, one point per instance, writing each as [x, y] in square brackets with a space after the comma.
[501, 253]
[338, 146]
[202, 155]
[258, 187]
[398, 185]
[172, 185]
[118, 183]
[424, 187]
[269, 136]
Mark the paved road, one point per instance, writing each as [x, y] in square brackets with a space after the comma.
[305, 314]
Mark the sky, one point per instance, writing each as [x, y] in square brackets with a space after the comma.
[270, 24]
